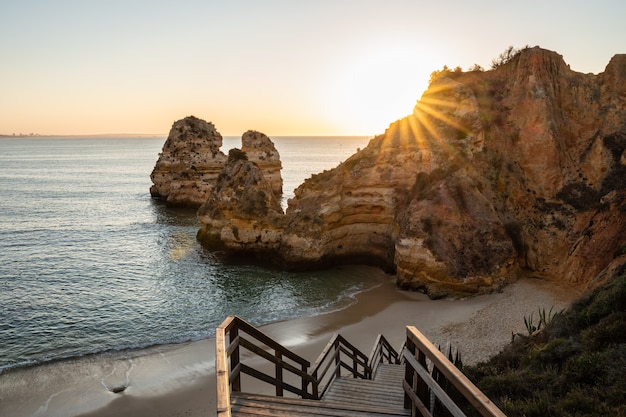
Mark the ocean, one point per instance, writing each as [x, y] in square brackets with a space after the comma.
[89, 263]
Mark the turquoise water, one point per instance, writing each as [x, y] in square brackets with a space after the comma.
[90, 263]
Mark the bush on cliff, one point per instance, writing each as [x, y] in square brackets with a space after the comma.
[575, 367]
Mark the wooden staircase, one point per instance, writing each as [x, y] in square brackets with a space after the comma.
[343, 381]
[383, 393]
[380, 396]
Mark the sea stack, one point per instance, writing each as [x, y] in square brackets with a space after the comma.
[243, 213]
[189, 164]
[191, 161]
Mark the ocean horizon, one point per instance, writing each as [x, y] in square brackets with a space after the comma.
[90, 263]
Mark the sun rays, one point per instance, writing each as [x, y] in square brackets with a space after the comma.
[440, 121]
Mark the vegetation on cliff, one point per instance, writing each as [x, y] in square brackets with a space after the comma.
[575, 366]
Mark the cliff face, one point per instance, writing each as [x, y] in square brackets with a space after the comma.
[517, 169]
[191, 161]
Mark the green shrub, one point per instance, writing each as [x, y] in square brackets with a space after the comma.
[576, 366]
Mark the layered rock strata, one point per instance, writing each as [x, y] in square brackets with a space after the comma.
[242, 209]
[191, 161]
[520, 169]
[261, 150]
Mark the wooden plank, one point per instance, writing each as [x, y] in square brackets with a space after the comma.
[221, 370]
[296, 406]
[268, 341]
[276, 359]
[363, 392]
[366, 387]
[390, 373]
[441, 395]
[417, 403]
[299, 411]
[479, 400]
[272, 381]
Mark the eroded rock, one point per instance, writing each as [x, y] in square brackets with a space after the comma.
[189, 163]
[515, 170]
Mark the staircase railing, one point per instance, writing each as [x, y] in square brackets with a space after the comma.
[383, 352]
[339, 358]
[426, 395]
[337, 355]
[428, 373]
[234, 334]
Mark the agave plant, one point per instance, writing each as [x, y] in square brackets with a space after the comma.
[545, 317]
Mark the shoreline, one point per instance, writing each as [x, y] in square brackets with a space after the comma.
[179, 380]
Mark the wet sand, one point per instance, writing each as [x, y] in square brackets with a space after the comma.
[179, 380]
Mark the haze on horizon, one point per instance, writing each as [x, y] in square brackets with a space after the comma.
[329, 67]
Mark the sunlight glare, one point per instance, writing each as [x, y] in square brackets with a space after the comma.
[380, 87]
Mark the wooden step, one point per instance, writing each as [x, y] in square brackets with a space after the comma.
[385, 390]
[251, 405]
[390, 373]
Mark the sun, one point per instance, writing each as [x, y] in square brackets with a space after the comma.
[379, 87]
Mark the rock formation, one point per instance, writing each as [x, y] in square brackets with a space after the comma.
[261, 150]
[242, 207]
[189, 164]
[191, 161]
[521, 169]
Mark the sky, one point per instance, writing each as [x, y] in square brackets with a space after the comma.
[282, 67]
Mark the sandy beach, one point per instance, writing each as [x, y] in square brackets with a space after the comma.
[179, 380]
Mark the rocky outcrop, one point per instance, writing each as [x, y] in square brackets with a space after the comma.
[242, 209]
[191, 161]
[520, 169]
[261, 150]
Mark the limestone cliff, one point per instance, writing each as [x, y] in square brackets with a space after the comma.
[521, 168]
[191, 161]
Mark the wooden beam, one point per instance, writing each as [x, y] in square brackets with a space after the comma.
[221, 370]
[465, 387]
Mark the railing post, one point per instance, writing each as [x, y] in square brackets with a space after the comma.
[315, 386]
[221, 371]
[355, 365]
[234, 359]
[409, 374]
[422, 388]
[337, 359]
[305, 383]
[279, 373]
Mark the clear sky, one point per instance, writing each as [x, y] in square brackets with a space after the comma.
[283, 67]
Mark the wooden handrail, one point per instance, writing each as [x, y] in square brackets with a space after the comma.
[229, 339]
[221, 371]
[418, 354]
[418, 384]
[383, 352]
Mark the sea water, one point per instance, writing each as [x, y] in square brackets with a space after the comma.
[90, 263]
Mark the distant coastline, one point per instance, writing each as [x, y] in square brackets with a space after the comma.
[98, 135]
[160, 135]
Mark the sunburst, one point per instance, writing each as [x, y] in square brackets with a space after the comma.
[432, 128]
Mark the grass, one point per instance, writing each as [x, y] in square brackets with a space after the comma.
[574, 366]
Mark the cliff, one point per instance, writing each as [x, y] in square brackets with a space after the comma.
[191, 161]
[516, 170]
